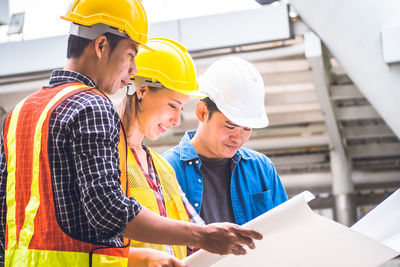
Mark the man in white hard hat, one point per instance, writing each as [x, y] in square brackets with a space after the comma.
[223, 180]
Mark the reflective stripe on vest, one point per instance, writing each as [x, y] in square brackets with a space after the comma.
[29, 190]
[141, 190]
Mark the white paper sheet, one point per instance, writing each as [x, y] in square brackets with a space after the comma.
[295, 236]
[383, 222]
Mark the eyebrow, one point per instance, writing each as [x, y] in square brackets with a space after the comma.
[179, 102]
[231, 123]
[235, 125]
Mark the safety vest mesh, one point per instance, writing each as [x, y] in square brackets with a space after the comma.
[140, 189]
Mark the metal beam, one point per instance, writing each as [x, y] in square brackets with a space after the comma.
[267, 144]
[289, 51]
[302, 159]
[362, 179]
[374, 150]
[352, 32]
[343, 188]
[297, 97]
[367, 131]
[18, 58]
[263, 24]
[286, 77]
[307, 129]
[343, 92]
[261, 144]
[356, 113]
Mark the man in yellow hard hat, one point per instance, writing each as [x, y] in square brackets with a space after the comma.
[63, 157]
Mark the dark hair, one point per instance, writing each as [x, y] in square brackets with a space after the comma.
[76, 44]
[212, 107]
[126, 119]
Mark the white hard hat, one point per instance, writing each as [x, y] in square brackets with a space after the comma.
[237, 88]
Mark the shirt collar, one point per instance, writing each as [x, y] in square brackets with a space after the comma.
[187, 151]
[67, 76]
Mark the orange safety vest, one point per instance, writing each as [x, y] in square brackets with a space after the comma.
[33, 235]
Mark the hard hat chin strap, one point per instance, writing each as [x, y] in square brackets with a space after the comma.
[91, 32]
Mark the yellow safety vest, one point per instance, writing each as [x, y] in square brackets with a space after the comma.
[140, 189]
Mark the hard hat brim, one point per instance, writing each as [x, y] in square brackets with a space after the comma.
[257, 121]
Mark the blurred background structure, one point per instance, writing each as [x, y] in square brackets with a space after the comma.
[332, 76]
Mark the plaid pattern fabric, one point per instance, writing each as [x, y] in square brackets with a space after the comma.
[154, 182]
[84, 162]
[3, 185]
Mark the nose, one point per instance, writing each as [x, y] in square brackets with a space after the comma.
[236, 134]
[133, 68]
[176, 119]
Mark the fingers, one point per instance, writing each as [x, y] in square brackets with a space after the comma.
[228, 238]
[247, 241]
[250, 233]
[177, 263]
[246, 236]
[238, 250]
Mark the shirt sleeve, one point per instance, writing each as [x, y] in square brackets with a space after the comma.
[94, 146]
[3, 187]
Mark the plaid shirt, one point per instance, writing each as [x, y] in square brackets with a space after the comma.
[84, 133]
[154, 182]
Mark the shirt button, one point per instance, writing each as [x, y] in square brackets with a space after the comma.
[190, 163]
[197, 161]
[196, 204]
[199, 180]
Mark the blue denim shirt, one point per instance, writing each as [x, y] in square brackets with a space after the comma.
[255, 184]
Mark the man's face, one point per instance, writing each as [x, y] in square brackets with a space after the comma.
[118, 66]
[221, 137]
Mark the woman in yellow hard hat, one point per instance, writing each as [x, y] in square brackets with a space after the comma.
[165, 80]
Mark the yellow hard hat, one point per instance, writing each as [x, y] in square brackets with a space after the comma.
[121, 16]
[168, 64]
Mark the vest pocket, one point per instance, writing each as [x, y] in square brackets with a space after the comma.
[262, 202]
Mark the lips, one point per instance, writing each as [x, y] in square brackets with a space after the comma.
[231, 147]
[162, 128]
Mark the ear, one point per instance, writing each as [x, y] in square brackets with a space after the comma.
[142, 91]
[100, 44]
[201, 111]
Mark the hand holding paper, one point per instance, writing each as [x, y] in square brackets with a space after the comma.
[228, 238]
[296, 236]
